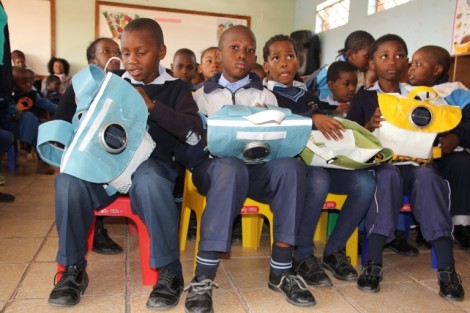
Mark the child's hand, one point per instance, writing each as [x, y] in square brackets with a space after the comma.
[449, 142]
[374, 120]
[260, 105]
[329, 127]
[149, 103]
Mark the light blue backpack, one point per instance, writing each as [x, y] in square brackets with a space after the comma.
[107, 139]
[255, 134]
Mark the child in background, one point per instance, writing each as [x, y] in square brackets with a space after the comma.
[429, 67]
[52, 89]
[18, 58]
[259, 70]
[281, 65]
[356, 52]
[184, 65]
[61, 68]
[172, 119]
[209, 63]
[283, 182]
[342, 81]
[429, 193]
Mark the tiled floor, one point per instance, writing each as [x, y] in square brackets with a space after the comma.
[28, 243]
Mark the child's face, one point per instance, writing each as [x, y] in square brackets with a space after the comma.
[238, 54]
[344, 88]
[282, 63]
[54, 85]
[58, 68]
[423, 71]
[104, 50]
[20, 62]
[141, 55]
[210, 65]
[359, 58]
[184, 67]
[389, 61]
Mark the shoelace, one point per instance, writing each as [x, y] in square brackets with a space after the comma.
[293, 280]
[344, 260]
[313, 264]
[166, 277]
[201, 287]
[452, 277]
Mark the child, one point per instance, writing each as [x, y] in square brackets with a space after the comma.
[281, 64]
[342, 81]
[259, 70]
[429, 193]
[59, 67]
[209, 63]
[429, 67]
[184, 65]
[355, 51]
[226, 182]
[105, 53]
[172, 118]
[52, 89]
[18, 58]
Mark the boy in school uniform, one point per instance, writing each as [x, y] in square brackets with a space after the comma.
[283, 183]
[184, 65]
[281, 63]
[173, 118]
[429, 67]
[429, 192]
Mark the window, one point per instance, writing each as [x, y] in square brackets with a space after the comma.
[376, 6]
[331, 14]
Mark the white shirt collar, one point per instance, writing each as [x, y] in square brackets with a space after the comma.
[236, 85]
[403, 88]
[160, 80]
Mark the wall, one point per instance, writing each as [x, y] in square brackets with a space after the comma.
[75, 21]
[419, 23]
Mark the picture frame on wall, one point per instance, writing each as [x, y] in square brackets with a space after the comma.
[194, 30]
[461, 31]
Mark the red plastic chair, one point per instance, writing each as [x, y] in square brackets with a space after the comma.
[121, 207]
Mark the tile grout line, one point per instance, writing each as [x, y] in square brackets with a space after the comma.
[26, 271]
[236, 290]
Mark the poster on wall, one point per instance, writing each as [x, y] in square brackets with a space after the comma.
[461, 33]
[181, 28]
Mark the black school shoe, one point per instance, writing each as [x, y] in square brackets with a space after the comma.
[402, 246]
[103, 244]
[312, 271]
[462, 236]
[340, 265]
[293, 287]
[199, 299]
[370, 278]
[166, 293]
[5, 197]
[450, 284]
[68, 289]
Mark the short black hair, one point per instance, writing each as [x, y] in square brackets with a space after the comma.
[185, 51]
[233, 29]
[17, 54]
[439, 55]
[336, 68]
[91, 50]
[273, 39]
[149, 25]
[385, 38]
[50, 65]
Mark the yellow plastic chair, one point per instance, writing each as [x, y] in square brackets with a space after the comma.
[336, 202]
[252, 217]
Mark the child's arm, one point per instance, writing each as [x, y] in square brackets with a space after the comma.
[45, 104]
[329, 127]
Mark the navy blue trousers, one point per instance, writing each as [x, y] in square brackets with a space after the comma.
[228, 181]
[429, 199]
[151, 198]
